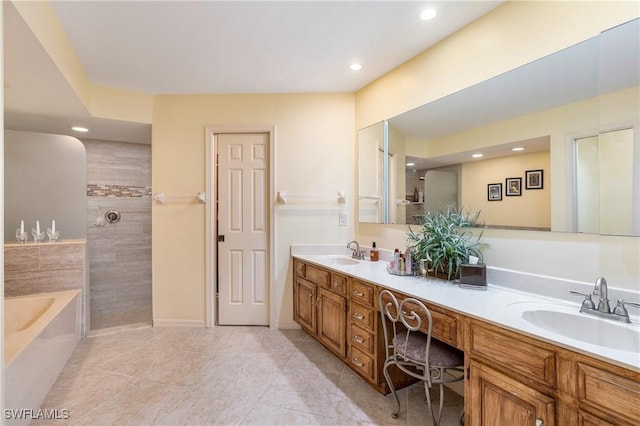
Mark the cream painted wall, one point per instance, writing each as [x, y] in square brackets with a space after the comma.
[314, 154]
[512, 35]
[43, 22]
[531, 209]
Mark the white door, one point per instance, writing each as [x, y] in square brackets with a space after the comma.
[243, 257]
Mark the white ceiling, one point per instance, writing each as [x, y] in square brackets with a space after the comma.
[168, 47]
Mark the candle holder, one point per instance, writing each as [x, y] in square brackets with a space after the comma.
[22, 237]
[53, 236]
[37, 236]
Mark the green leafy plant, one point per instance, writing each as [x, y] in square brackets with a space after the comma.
[444, 242]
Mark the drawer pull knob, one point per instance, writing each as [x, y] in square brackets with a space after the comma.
[358, 293]
[358, 316]
[357, 362]
[539, 422]
[358, 339]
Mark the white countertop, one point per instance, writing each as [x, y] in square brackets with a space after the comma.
[498, 305]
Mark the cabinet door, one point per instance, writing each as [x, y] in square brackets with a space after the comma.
[332, 324]
[305, 304]
[497, 400]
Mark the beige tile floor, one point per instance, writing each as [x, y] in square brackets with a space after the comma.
[223, 376]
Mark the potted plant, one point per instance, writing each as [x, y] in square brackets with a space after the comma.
[443, 241]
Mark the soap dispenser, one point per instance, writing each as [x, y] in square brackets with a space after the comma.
[373, 256]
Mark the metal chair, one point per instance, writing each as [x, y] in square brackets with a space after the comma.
[414, 351]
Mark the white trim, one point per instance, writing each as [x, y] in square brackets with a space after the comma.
[211, 231]
[177, 323]
[287, 325]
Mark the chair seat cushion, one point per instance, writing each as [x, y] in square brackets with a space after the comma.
[440, 354]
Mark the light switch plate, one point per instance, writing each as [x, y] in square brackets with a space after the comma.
[342, 219]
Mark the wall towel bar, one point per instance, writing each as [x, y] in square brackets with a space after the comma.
[370, 197]
[161, 197]
[284, 197]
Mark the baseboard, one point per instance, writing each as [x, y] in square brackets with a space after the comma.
[287, 325]
[177, 323]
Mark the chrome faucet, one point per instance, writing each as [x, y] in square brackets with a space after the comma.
[602, 292]
[604, 309]
[355, 253]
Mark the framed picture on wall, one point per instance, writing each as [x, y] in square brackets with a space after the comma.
[494, 192]
[513, 186]
[533, 179]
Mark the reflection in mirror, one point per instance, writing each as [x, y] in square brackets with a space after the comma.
[542, 107]
[371, 165]
[604, 180]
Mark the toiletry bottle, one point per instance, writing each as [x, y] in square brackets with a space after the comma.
[401, 263]
[407, 259]
[396, 260]
[415, 194]
[373, 256]
[420, 196]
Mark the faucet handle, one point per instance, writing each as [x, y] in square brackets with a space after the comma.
[620, 307]
[587, 303]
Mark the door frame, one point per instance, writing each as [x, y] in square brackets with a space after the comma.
[211, 150]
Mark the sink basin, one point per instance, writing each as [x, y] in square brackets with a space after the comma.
[568, 322]
[342, 260]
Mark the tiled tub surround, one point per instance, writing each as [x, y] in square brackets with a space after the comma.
[47, 267]
[505, 288]
[41, 332]
[119, 178]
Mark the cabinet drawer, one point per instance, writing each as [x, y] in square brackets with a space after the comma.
[608, 392]
[339, 284]
[299, 268]
[362, 363]
[363, 317]
[317, 275]
[520, 354]
[444, 325]
[362, 339]
[363, 293]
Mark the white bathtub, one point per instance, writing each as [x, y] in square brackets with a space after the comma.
[41, 332]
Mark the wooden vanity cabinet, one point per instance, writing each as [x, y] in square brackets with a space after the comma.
[516, 379]
[320, 305]
[511, 378]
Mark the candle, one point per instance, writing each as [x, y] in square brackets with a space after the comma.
[53, 226]
[38, 227]
[22, 227]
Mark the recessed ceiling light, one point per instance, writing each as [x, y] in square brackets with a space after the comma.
[80, 129]
[477, 155]
[518, 148]
[355, 67]
[428, 14]
[411, 164]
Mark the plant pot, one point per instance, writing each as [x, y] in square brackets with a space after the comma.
[441, 275]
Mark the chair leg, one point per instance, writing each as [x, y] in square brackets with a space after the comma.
[427, 391]
[393, 389]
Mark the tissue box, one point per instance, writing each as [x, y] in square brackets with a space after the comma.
[473, 276]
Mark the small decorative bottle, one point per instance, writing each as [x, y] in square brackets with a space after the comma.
[374, 252]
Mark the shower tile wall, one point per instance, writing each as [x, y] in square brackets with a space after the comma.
[119, 178]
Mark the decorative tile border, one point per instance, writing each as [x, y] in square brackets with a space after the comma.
[124, 191]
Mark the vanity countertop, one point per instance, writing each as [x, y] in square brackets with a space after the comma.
[498, 305]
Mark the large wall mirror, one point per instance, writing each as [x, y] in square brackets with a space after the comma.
[532, 148]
